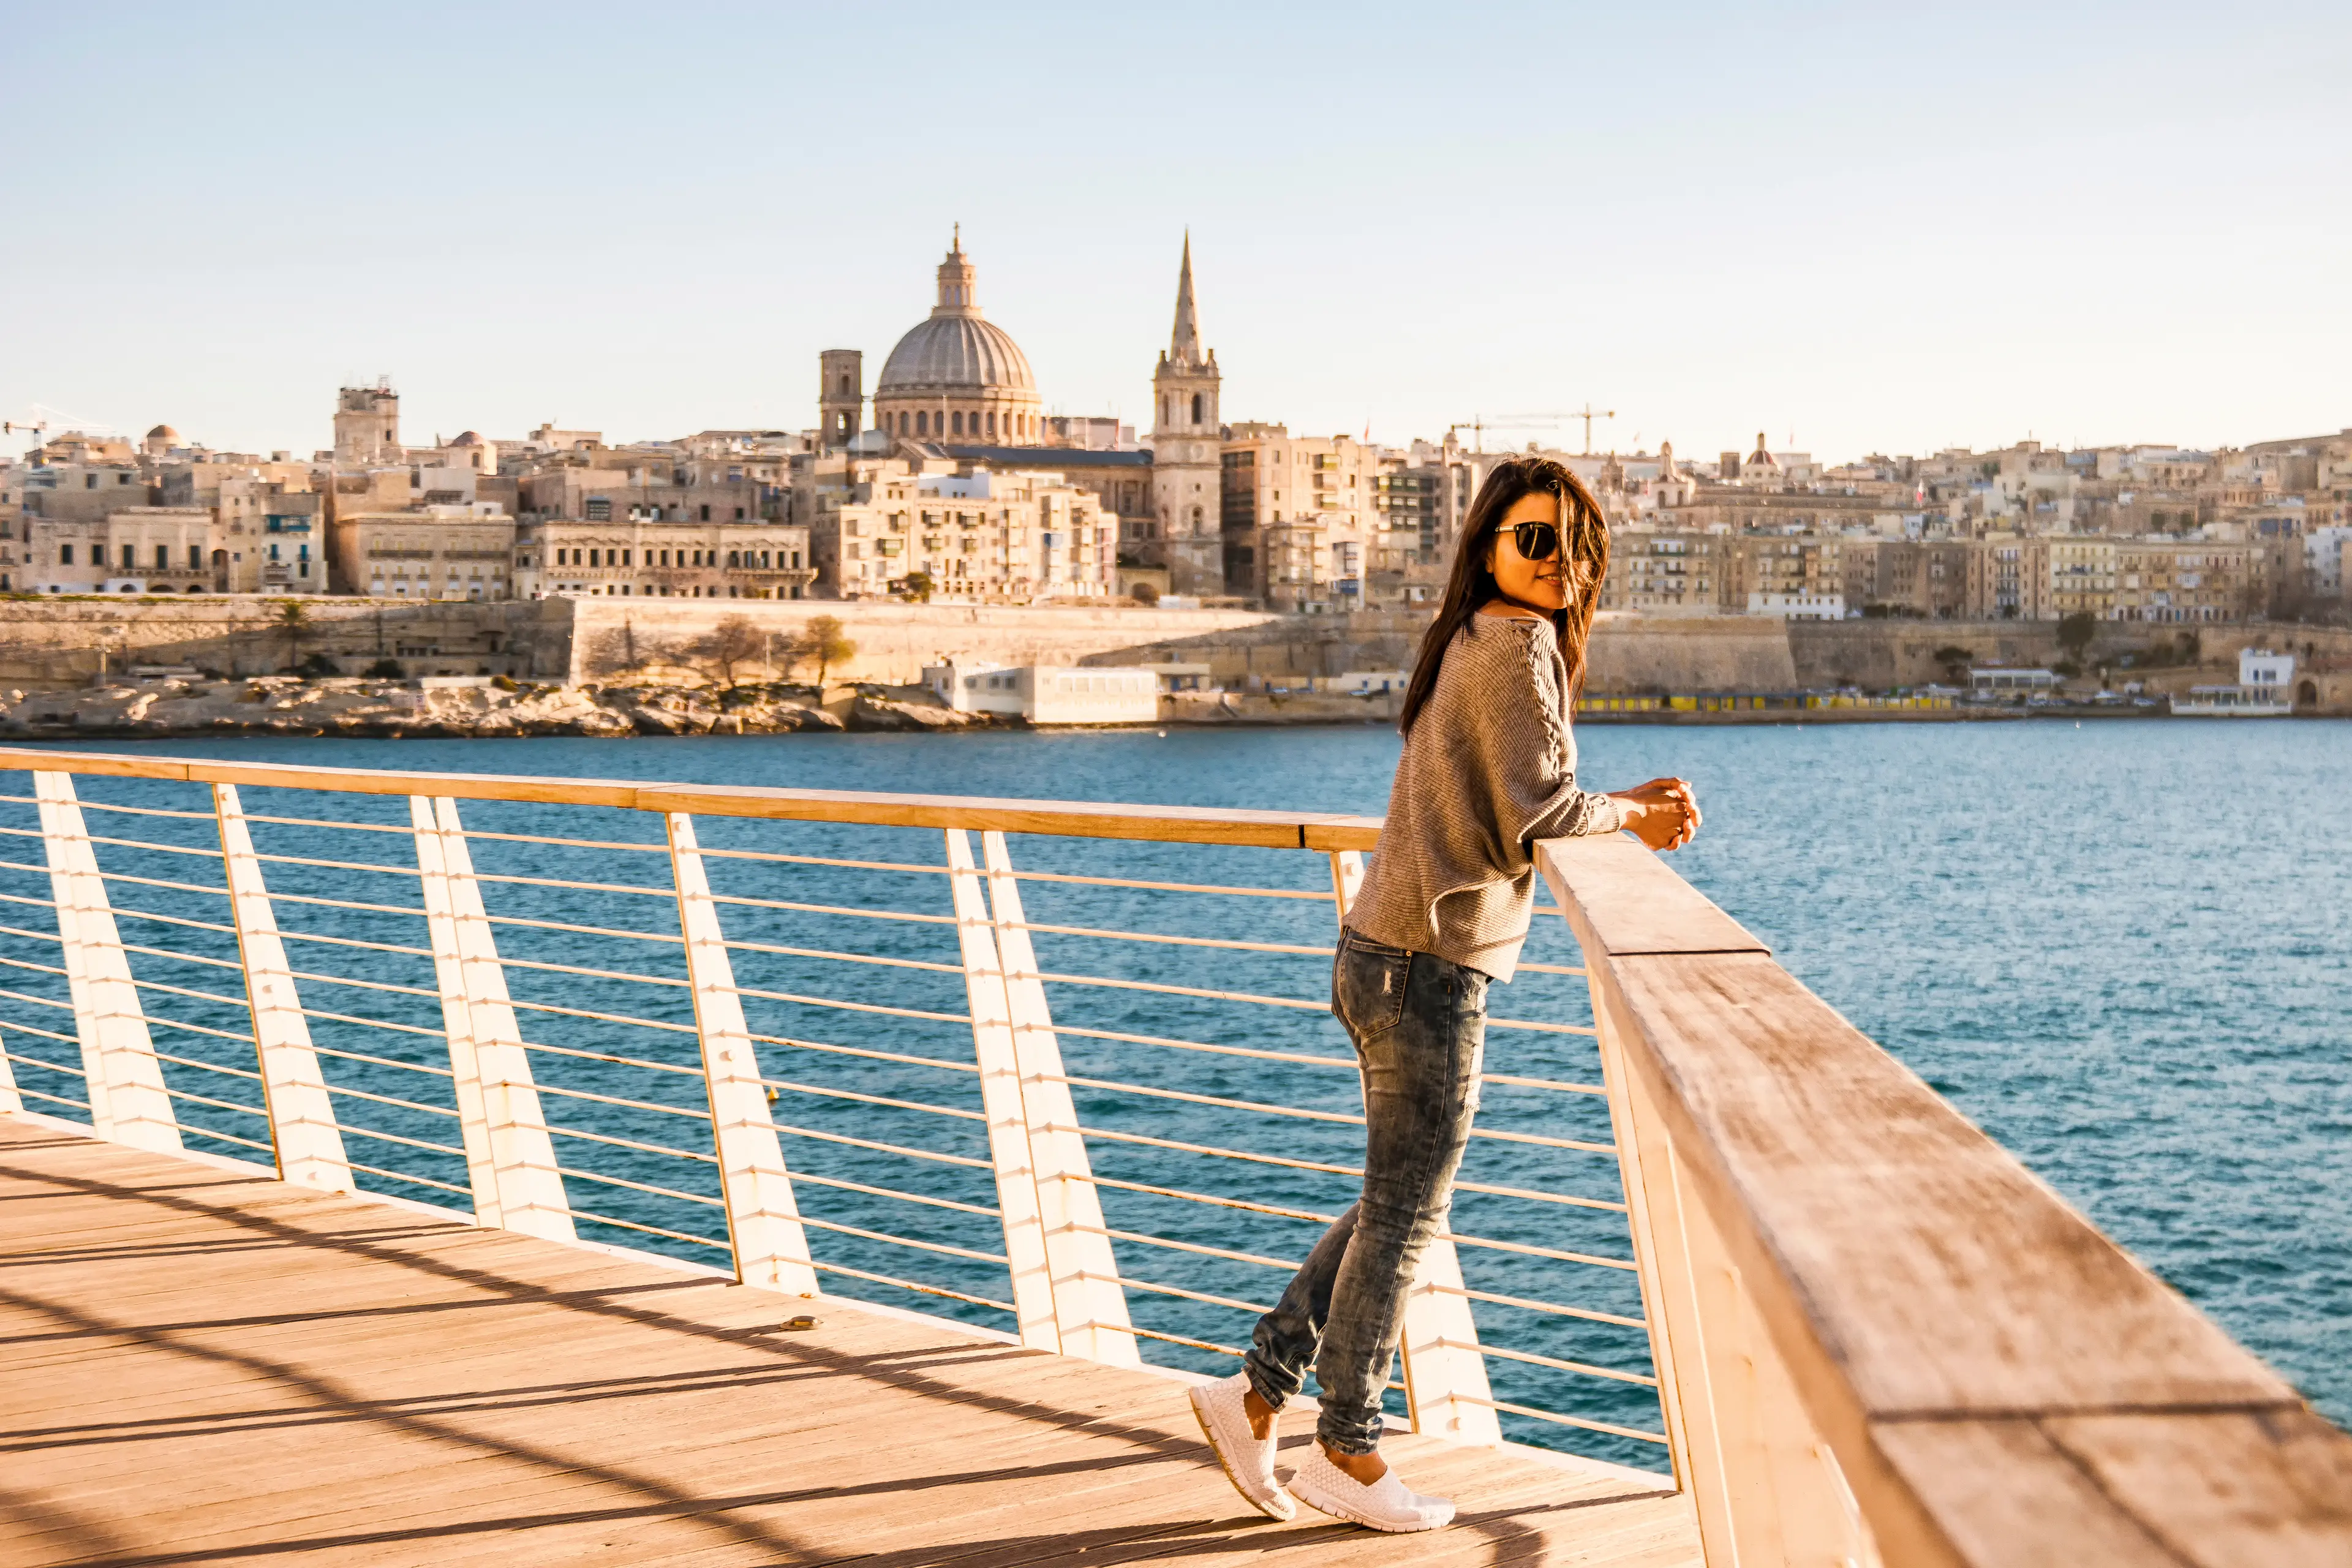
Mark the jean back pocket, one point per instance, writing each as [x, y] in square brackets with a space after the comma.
[1367, 985]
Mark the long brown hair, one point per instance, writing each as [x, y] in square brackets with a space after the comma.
[1584, 537]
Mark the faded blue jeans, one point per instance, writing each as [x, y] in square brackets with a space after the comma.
[1419, 1023]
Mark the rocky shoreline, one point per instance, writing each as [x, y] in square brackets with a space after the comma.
[286, 705]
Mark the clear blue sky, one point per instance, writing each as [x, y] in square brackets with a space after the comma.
[1886, 227]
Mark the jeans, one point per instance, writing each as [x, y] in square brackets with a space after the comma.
[1419, 1023]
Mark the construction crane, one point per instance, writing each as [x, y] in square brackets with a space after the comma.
[1545, 421]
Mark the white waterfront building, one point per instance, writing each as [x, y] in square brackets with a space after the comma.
[1048, 694]
[2265, 690]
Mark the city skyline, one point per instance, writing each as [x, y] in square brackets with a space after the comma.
[1855, 233]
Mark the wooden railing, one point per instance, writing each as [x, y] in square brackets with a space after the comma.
[1881, 1337]
[1872, 1336]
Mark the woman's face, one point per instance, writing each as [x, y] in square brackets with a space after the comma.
[1543, 585]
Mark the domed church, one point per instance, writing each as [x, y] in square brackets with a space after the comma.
[957, 374]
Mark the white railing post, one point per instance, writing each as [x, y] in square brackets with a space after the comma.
[1445, 1387]
[301, 1113]
[1089, 1302]
[127, 1103]
[509, 1159]
[763, 1221]
[1000, 1101]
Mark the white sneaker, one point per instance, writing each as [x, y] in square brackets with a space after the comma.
[1387, 1504]
[1248, 1461]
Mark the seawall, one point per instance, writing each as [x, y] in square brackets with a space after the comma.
[48, 644]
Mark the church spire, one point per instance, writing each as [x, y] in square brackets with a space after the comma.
[1184, 343]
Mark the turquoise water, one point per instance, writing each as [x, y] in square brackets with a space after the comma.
[2119, 948]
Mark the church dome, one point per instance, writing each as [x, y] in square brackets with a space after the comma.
[163, 432]
[467, 438]
[956, 349]
[955, 353]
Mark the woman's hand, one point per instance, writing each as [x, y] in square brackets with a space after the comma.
[1662, 814]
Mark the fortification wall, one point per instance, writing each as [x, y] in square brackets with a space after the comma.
[67, 642]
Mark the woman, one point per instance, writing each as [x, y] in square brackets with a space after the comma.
[1488, 768]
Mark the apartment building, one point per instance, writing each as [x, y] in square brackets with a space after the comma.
[137, 550]
[2009, 578]
[980, 535]
[442, 551]
[761, 559]
[2188, 579]
[1799, 576]
[1307, 516]
[1669, 574]
[2083, 576]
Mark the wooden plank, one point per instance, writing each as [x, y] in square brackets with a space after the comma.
[2221, 1489]
[620, 793]
[1885, 1233]
[1074, 819]
[104, 765]
[1621, 900]
[1335, 834]
[1994, 1492]
[1083, 819]
[358, 1393]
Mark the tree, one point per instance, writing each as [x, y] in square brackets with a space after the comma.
[2075, 632]
[293, 624]
[822, 642]
[1145, 594]
[1956, 661]
[734, 642]
[918, 586]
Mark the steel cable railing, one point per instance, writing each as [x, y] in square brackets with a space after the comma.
[1208, 1109]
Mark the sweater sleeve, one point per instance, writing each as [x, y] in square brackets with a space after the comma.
[1532, 759]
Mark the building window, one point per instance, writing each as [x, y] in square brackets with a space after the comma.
[600, 510]
[706, 514]
[162, 558]
[65, 554]
[957, 417]
[1196, 408]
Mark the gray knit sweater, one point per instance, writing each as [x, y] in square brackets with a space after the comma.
[1489, 768]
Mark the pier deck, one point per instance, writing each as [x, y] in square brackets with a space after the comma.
[202, 1366]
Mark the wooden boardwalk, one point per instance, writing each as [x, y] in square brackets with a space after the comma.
[201, 1366]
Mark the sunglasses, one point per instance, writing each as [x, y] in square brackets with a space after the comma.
[1536, 540]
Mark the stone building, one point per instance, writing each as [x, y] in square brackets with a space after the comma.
[1668, 573]
[957, 373]
[840, 398]
[367, 427]
[427, 553]
[1186, 451]
[138, 550]
[762, 558]
[1270, 479]
[1908, 579]
[983, 533]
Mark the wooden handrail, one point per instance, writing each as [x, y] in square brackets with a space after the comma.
[1328, 831]
[1999, 1382]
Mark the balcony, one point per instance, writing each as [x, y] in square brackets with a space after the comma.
[1052, 1079]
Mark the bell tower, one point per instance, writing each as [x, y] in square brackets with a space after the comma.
[1187, 452]
[840, 397]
